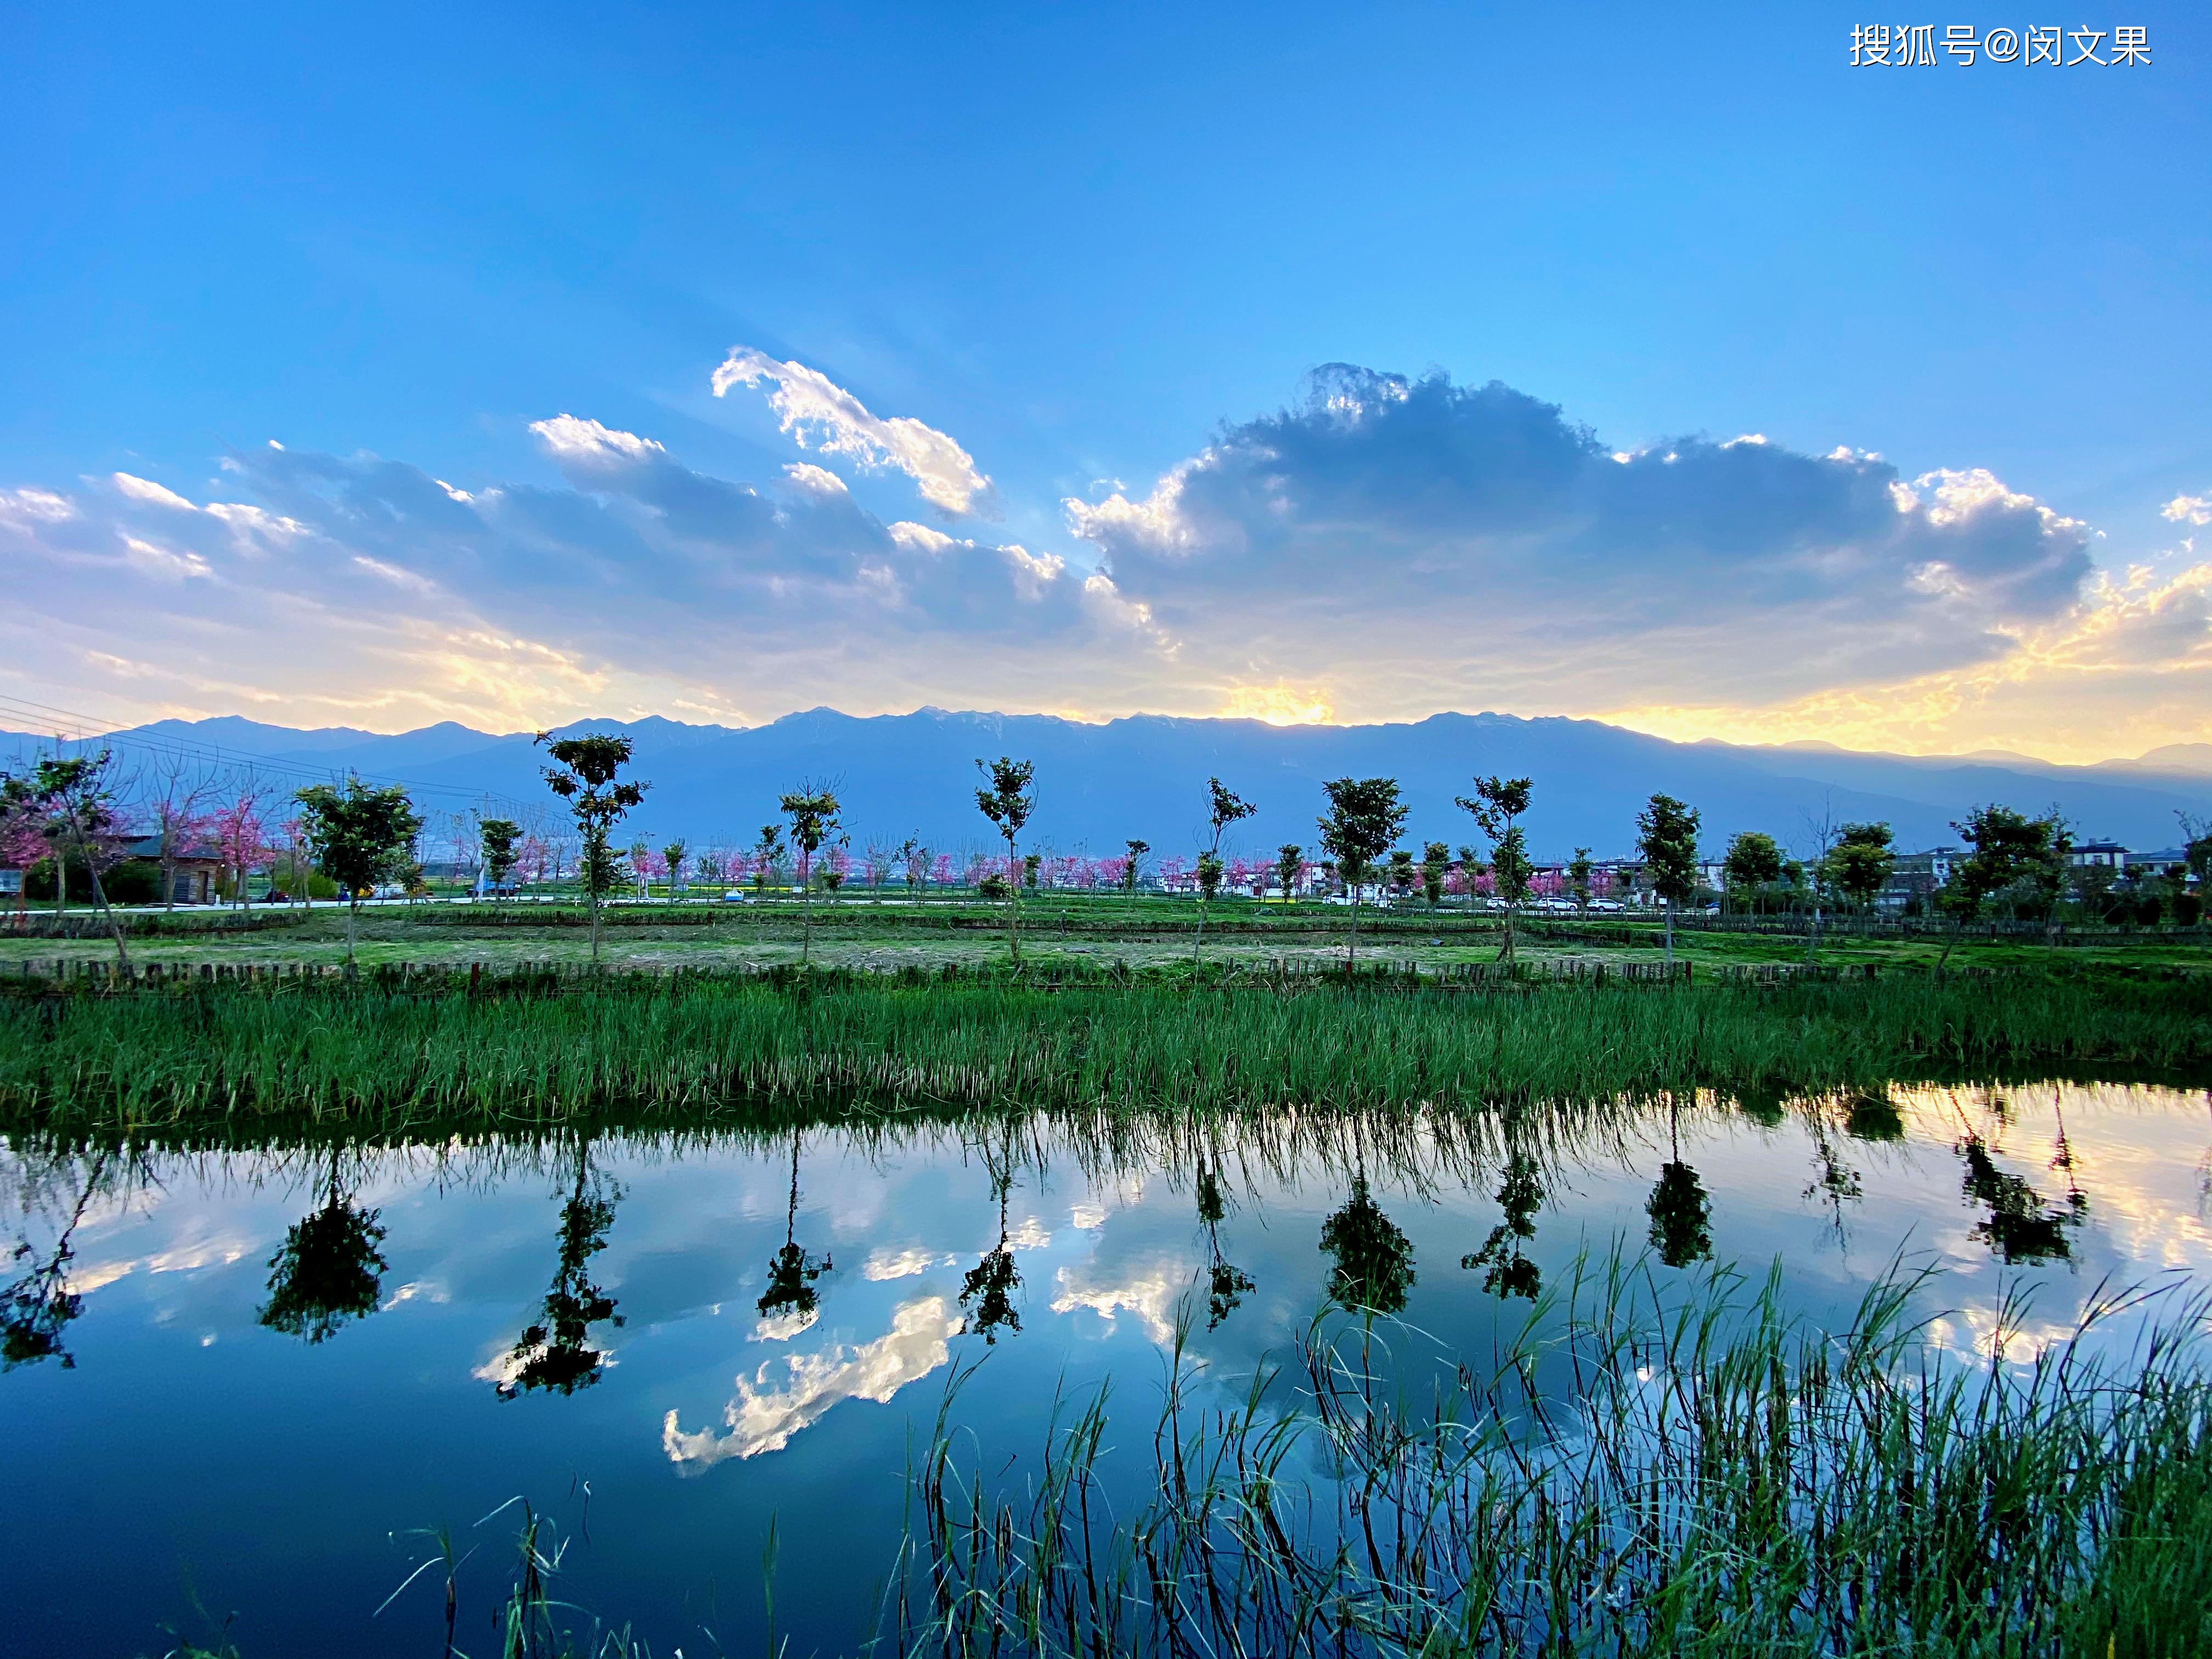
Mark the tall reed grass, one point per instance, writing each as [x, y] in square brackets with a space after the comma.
[1719, 1480]
[376, 1057]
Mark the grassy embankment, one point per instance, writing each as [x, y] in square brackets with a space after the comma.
[866, 931]
[390, 1059]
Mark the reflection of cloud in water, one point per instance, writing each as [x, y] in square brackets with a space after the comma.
[764, 1417]
[428, 1291]
[1151, 1298]
[902, 1264]
[1028, 1234]
[1087, 1216]
[783, 1326]
[215, 1252]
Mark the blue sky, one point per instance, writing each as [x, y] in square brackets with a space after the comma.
[1083, 246]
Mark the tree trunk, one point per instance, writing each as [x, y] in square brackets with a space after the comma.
[1949, 939]
[99, 897]
[1670, 932]
[168, 875]
[1352, 956]
[1014, 901]
[353, 910]
[806, 911]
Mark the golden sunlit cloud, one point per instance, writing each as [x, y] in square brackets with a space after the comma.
[2128, 671]
[1278, 704]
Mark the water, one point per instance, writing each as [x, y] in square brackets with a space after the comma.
[660, 1347]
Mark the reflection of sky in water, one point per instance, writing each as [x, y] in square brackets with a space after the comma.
[192, 1450]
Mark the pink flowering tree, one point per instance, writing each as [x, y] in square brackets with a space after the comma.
[241, 839]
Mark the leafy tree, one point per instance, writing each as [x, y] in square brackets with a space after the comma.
[1032, 863]
[913, 859]
[1290, 864]
[1402, 871]
[1667, 837]
[1364, 817]
[1223, 808]
[329, 1270]
[1436, 864]
[2196, 849]
[1008, 803]
[80, 809]
[499, 836]
[2008, 848]
[1134, 865]
[768, 853]
[37, 1307]
[1859, 864]
[586, 774]
[1374, 1268]
[1497, 806]
[676, 856]
[1753, 860]
[812, 815]
[1579, 870]
[358, 837]
[2019, 1227]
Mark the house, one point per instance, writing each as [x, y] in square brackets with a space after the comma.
[1914, 879]
[2160, 860]
[2108, 855]
[195, 871]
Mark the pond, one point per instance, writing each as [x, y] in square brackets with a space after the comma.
[285, 1371]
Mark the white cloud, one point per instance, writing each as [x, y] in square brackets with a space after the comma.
[766, 1413]
[920, 538]
[902, 1264]
[808, 405]
[1150, 1297]
[154, 495]
[568, 439]
[2189, 509]
[815, 480]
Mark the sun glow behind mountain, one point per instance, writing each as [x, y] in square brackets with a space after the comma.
[1277, 705]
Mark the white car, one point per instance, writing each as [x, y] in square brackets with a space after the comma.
[737, 895]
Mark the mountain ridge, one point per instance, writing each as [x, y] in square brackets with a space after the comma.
[1145, 776]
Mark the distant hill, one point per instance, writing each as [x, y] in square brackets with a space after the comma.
[1145, 776]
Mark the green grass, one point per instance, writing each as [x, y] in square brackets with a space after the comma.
[384, 1058]
[1720, 1480]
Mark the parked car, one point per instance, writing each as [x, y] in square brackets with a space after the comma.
[1607, 904]
[736, 896]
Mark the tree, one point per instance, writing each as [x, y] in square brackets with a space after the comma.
[79, 810]
[176, 797]
[1436, 864]
[812, 812]
[1497, 806]
[768, 853]
[1008, 803]
[1507, 1269]
[987, 1290]
[586, 774]
[358, 837]
[1364, 817]
[676, 857]
[1753, 860]
[1667, 837]
[1223, 808]
[1290, 866]
[2009, 849]
[1133, 865]
[241, 838]
[498, 837]
[1859, 864]
[1579, 870]
[915, 859]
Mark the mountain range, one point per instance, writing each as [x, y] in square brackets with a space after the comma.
[1145, 776]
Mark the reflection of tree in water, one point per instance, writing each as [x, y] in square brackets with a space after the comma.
[2019, 1227]
[986, 1292]
[1227, 1283]
[1681, 1215]
[1506, 1270]
[555, 1354]
[329, 1270]
[36, 1307]
[1834, 1182]
[1374, 1270]
[791, 1272]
